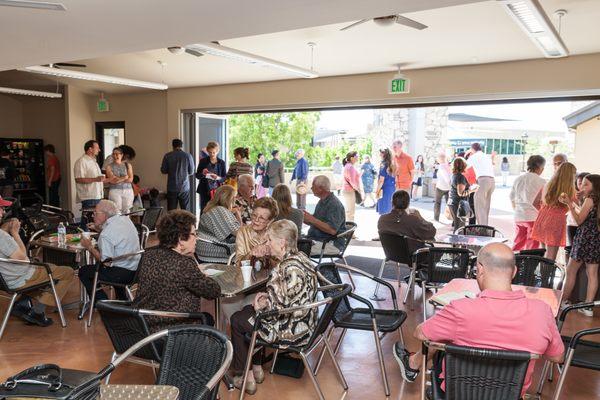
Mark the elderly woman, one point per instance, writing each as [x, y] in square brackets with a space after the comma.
[219, 222]
[245, 198]
[283, 197]
[170, 278]
[251, 239]
[293, 282]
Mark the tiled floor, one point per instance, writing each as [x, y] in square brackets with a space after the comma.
[89, 348]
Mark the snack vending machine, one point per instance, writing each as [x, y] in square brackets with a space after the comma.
[27, 156]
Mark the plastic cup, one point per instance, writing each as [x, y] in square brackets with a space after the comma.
[247, 273]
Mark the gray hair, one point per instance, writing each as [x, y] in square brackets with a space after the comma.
[108, 207]
[397, 143]
[286, 230]
[322, 181]
[497, 256]
[562, 156]
[245, 179]
[299, 151]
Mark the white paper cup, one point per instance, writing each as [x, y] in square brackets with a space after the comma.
[86, 235]
[247, 273]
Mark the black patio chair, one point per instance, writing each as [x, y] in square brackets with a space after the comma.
[333, 295]
[538, 272]
[580, 353]
[473, 373]
[398, 249]
[99, 282]
[338, 254]
[143, 233]
[365, 318]
[305, 245]
[150, 217]
[531, 252]
[213, 259]
[14, 293]
[442, 264]
[479, 230]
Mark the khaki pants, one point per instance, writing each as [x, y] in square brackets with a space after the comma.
[483, 198]
[64, 275]
[350, 205]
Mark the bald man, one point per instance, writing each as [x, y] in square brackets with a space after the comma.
[498, 318]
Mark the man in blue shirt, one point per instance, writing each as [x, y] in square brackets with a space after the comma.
[301, 175]
[178, 165]
[118, 236]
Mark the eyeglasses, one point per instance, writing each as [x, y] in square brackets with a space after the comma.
[98, 212]
[259, 218]
[194, 233]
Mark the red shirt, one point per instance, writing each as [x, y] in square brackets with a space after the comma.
[53, 162]
[404, 166]
[498, 320]
[470, 175]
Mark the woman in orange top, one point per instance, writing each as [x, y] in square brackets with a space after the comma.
[550, 227]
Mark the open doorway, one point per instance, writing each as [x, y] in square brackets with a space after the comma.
[109, 135]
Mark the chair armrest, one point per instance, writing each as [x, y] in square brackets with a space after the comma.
[585, 332]
[110, 260]
[215, 243]
[173, 314]
[31, 264]
[373, 278]
[566, 310]
[283, 311]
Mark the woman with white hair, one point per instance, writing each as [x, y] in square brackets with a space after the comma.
[245, 198]
[292, 283]
[300, 174]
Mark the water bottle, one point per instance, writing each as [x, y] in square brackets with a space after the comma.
[62, 235]
[257, 265]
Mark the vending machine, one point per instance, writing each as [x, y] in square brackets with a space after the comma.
[27, 156]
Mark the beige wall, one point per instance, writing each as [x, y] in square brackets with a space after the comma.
[11, 117]
[587, 143]
[80, 129]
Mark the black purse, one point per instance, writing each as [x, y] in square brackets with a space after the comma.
[287, 365]
[357, 196]
[49, 381]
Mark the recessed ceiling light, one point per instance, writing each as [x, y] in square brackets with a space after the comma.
[40, 5]
[25, 92]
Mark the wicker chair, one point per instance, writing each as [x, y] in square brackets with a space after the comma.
[538, 272]
[14, 293]
[305, 245]
[346, 236]
[476, 374]
[334, 294]
[371, 319]
[531, 252]
[479, 230]
[150, 217]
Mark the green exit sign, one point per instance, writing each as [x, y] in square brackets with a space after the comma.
[399, 85]
[102, 105]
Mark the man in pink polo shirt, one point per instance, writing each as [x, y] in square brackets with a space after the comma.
[498, 318]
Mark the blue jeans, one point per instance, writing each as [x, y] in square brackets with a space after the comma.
[86, 217]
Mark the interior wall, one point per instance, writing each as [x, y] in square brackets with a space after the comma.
[11, 117]
[80, 129]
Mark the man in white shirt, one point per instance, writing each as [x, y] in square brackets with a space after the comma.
[88, 178]
[442, 186]
[484, 171]
[523, 195]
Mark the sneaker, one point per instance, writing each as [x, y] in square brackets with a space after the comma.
[587, 311]
[39, 319]
[402, 356]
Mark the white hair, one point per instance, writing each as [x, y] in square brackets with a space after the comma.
[322, 181]
[286, 230]
[108, 207]
[299, 152]
[245, 179]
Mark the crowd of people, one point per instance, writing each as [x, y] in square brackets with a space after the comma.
[247, 211]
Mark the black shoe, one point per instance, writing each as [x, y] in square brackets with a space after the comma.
[39, 319]
[402, 356]
[21, 306]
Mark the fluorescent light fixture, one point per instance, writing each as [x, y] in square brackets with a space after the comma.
[40, 5]
[67, 73]
[249, 58]
[25, 92]
[531, 17]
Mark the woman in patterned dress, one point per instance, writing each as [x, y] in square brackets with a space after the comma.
[586, 243]
[550, 226]
[293, 282]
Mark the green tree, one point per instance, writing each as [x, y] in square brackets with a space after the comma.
[262, 133]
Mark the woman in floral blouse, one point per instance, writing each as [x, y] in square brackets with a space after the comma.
[293, 282]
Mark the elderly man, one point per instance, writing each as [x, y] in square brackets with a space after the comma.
[405, 221]
[245, 198]
[558, 160]
[118, 236]
[498, 318]
[300, 174]
[329, 218]
[19, 276]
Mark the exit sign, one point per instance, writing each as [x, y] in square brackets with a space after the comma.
[399, 85]
[102, 105]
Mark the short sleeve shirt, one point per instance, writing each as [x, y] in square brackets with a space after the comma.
[15, 275]
[87, 167]
[499, 320]
[118, 237]
[331, 211]
[53, 162]
[457, 179]
[404, 164]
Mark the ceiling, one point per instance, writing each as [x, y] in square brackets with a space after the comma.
[460, 32]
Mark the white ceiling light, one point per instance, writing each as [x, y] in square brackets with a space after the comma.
[249, 58]
[41, 5]
[65, 73]
[531, 17]
[30, 92]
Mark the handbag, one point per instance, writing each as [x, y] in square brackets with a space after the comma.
[464, 209]
[49, 381]
[357, 196]
[287, 365]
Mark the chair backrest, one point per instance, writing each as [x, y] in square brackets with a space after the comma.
[532, 252]
[484, 374]
[4, 286]
[305, 246]
[399, 248]
[192, 355]
[330, 271]
[479, 230]
[347, 235]
[536, 271]
[125, 327]
[151, 216]
[447, 263]
[337, 294]
[143, 233]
